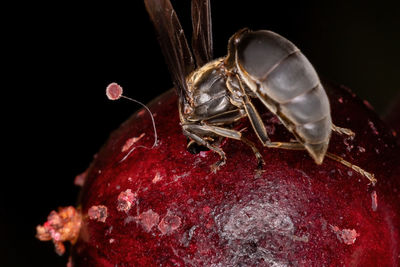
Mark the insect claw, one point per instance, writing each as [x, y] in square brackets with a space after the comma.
[373, 180]
[190, 142]
[215, 167]
[260, 165]
[258, 173]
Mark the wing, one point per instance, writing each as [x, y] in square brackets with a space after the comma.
[202, 32]
[173, 43]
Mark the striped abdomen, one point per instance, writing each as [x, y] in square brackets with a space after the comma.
[281, 75]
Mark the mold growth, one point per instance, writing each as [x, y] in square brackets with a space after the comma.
[260, 229]
[114, 91]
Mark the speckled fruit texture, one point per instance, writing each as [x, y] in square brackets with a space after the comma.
[165, 208]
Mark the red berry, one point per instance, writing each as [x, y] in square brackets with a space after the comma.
[295, 213]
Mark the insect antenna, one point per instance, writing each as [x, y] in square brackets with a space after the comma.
[114, 92]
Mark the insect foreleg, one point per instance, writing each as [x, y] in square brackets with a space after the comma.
[189, 131]
[229, 133]
[224, 132]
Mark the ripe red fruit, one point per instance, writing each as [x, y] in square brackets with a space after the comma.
[295, 213]
[393, 117]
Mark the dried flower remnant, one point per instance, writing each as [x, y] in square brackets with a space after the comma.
[98, 213]
[61, 226]
[125, 200]
[346, 236]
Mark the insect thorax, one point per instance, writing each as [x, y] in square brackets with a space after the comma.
[208, 94]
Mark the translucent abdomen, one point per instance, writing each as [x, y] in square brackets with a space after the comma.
[277, 71]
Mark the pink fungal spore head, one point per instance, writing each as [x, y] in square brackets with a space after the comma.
[114, 91]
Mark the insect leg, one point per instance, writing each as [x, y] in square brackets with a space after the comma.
[259, 157]
[253, 115]
[255, 120]
[230, 117]
[189, 131]
[369, 176]
[229, 133]
[285, 145]
[341, 130]
[298, 146]
[259, 128]
[227, 117]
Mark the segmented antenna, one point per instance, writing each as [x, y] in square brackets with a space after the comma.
[114, 92]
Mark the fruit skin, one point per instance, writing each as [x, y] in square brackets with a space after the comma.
[295, 213]
[392, 117]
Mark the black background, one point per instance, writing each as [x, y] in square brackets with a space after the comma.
[59, 58]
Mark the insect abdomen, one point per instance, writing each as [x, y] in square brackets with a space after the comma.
[280, 72]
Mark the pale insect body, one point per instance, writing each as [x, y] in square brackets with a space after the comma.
[276, 71]
[216, 94]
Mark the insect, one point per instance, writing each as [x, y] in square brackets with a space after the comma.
[214, 94]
